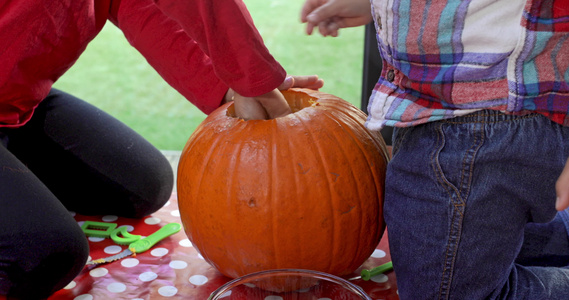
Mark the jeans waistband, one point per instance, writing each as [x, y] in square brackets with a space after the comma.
[490, 116]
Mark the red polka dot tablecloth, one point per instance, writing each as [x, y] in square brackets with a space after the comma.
[173, 269]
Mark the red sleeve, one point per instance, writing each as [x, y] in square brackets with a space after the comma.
[170, 51]
[225, 31]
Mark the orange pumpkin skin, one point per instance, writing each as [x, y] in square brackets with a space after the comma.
[302, 191]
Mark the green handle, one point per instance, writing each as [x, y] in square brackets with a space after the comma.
[149, 241]
[367, 274]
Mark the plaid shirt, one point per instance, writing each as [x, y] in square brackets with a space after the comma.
[449, 58]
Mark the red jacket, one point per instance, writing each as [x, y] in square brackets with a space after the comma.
[200, 47]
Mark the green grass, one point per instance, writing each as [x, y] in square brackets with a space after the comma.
[115, 77]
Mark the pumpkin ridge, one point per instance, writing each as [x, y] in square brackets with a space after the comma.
[285, 142]
[297, 181]
[330, 193]
[230, 198]
[191, 145]
[378, 143]
[281, 135]
[274, 198]
[375, 170]
[353, 177]
[371, 136]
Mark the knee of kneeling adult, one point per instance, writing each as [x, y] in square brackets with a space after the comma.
[47, 266]
[144, 193]
[145, 207]
[153, 199]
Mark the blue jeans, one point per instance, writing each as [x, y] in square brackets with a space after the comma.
[470, 208]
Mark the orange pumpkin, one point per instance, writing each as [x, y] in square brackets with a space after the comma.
[302, 191]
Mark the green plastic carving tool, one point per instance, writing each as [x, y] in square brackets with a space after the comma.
[142, 244]
[121, 236]
[368, 274]
[98, 229]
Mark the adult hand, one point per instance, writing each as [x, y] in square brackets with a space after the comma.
[272, 104]
[331, 15]
[562, 189]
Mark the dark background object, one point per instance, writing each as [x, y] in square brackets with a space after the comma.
[371, 71]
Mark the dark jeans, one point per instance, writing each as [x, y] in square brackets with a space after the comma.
[470, 209]
[70, 156]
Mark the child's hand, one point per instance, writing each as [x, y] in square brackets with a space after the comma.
[267, 106]
[562, 189]
[331, 15]
[273, 104]
[309, 81]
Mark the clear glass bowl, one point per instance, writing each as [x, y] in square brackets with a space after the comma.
[289, 284]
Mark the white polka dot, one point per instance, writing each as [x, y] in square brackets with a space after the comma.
[116, 287]
[378, 253]
[167, 203]
[70, 285]
[83, 297]
[380, 278]
[152, 221]
[167, 291]
[129, 228]
[159, 252]
[147, 276]
[109, 218]
[198, 280]
[114, 249]
[96, 239]
[273, 298]
[200, 256]
[250, 285]
[226, 294]
[98, 272]
[175, 213]
[137, 299]
[178, 264]
[185, 243]
[129, 262]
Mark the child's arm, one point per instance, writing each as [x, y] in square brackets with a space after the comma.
[225, 32]
[330, 16]
[203, 47]
[170, 51]
[207, 49]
